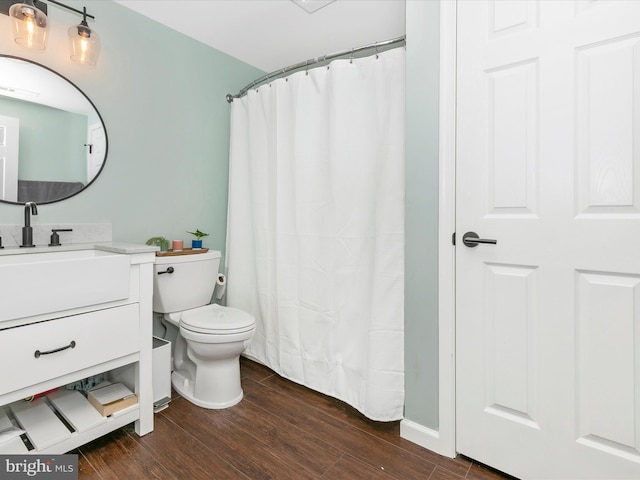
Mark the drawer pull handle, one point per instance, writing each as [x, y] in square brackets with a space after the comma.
[55, 350]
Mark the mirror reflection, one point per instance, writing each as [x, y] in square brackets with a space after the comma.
[53, 142]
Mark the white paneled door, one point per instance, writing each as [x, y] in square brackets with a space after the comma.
[96, 153]
[9, 138]
[548, 165]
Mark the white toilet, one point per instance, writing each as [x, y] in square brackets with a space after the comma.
[208, 338]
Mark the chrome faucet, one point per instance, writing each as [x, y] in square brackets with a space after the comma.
[27, 230]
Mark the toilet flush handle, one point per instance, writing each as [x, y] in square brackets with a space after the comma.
[168, 270]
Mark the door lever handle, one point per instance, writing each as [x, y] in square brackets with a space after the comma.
[471, 239]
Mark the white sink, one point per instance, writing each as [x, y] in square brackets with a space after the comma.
[53, 281]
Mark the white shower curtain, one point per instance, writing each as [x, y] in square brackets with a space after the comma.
[315, 238]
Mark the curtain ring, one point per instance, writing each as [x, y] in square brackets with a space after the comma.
[306, 65]
[351, 58]
[324, 60]
[376, 47]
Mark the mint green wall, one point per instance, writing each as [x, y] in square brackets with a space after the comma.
[421, 269]
[162, 97]
[44, 130]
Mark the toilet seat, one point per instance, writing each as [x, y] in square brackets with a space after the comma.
[217, 320]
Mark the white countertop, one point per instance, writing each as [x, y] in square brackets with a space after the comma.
[114, 247]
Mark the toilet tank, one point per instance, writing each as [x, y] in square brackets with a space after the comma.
[189, 285]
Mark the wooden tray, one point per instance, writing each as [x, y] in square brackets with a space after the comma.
[186, 251]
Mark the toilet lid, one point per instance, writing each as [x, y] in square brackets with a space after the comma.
[215, 319]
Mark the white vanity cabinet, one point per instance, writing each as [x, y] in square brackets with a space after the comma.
[50, 349]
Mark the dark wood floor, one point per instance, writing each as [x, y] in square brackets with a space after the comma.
[280, 430]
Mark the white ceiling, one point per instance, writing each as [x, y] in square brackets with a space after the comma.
[273, 34]
[28, 82]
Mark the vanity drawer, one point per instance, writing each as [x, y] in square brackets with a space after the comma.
[35, 353]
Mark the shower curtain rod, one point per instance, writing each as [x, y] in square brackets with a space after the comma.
[306, 64]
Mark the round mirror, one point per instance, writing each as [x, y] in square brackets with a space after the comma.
[53, 142]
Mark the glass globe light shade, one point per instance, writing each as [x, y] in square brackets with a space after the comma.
[85, 44]
[30, 25]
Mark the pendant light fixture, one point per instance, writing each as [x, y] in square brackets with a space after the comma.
[29, 25]
[30, 30]
[85, 43]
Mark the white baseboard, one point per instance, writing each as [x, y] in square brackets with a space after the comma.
[425, 437]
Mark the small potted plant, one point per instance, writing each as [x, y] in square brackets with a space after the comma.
[195, 244]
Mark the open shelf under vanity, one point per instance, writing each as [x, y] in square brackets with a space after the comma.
[58, 423]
